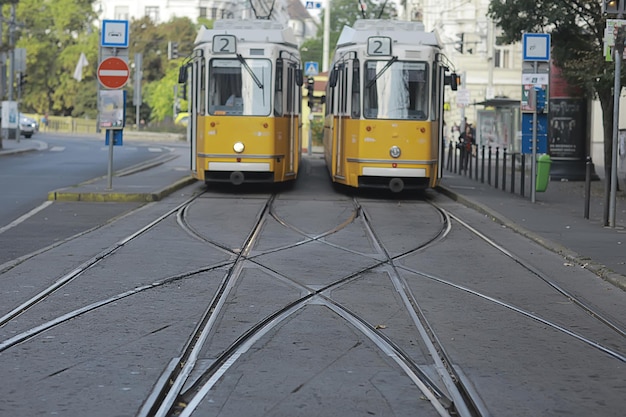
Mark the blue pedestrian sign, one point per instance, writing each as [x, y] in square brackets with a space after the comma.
[313, 4]
[311, 68]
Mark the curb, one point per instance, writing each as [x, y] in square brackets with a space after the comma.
[66, 194]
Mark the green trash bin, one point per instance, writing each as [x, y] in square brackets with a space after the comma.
[543, 173]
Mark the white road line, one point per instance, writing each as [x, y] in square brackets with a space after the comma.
[25, 217]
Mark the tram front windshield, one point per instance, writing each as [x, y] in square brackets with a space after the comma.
[240, 89]
[399, 91]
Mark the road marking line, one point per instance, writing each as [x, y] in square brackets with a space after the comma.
[25, 217]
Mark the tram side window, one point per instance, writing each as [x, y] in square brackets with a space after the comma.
[356, 91]
[278, 90]
[418, 90]
[202, 99]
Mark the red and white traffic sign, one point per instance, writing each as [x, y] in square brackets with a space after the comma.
[113, 72]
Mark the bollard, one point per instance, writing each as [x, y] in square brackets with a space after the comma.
[522, 184]
[587, 186]
[476, 164]
[513, 172]
[497, 165]
[482, 168]
[504, 170]
[455, 160]
[489, 168]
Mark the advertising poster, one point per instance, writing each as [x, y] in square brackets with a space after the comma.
[9, 115]
[112, 109]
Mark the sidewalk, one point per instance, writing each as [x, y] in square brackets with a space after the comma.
[12, 146]
[556, 220]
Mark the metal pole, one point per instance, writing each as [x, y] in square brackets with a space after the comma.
[326, 44]
[533, 174]
[587, 186]
[12, 67]
[619, 46]
[111, 135]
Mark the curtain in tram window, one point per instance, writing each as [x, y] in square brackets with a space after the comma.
[392, 89]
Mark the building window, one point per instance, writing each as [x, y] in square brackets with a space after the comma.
[202, 12]
[214, 13]
[153, 13]
[502, 58]
[121, 13]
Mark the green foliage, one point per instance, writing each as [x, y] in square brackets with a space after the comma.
[55, 32]
[317, 131]
[160, 94]
[577, 32]
[343, 13]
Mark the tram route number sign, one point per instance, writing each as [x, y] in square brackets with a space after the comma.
[113, 72]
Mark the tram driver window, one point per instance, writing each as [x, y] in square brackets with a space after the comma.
[399, 91]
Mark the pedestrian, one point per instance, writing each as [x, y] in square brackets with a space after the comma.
[466, 142]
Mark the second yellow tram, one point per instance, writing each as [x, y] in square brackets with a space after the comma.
[383, 124]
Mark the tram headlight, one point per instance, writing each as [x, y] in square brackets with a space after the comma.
[238, 147]
[395, 152]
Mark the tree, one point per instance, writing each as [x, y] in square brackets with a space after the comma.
[160, 74]
[54, 33]
[577, 32]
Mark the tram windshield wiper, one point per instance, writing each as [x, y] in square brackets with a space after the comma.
[252, 74]
[382, 70]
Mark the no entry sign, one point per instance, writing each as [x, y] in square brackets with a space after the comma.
[113, 72]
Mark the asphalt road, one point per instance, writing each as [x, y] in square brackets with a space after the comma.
[28, 221]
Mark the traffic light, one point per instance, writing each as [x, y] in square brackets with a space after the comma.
[458, 45]
[172, 50]
[21, 79]
[310, 85]
[612, 6]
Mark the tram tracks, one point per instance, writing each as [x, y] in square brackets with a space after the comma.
[178, 393]
[188, 400]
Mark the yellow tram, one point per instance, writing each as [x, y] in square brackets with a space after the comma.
[383, 125]
[244, 83]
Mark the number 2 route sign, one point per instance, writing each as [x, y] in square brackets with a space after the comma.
[113, 72]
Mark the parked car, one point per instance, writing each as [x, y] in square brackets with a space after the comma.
[28, 126]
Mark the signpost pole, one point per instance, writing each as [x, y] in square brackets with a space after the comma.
[110, 134]
[113, 73]
[533, 145]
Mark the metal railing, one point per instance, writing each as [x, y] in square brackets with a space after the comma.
[495, 166]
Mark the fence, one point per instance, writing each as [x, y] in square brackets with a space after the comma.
[491, 165]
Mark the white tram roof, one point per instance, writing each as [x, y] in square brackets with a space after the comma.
[258, 31]
[400, 31]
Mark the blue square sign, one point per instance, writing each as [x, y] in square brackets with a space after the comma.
[114, 33]
[536, 46]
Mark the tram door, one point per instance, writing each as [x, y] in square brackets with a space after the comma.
[293, 108]
[341, 114]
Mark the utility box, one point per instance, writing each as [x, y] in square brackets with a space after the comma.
[543, 173]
